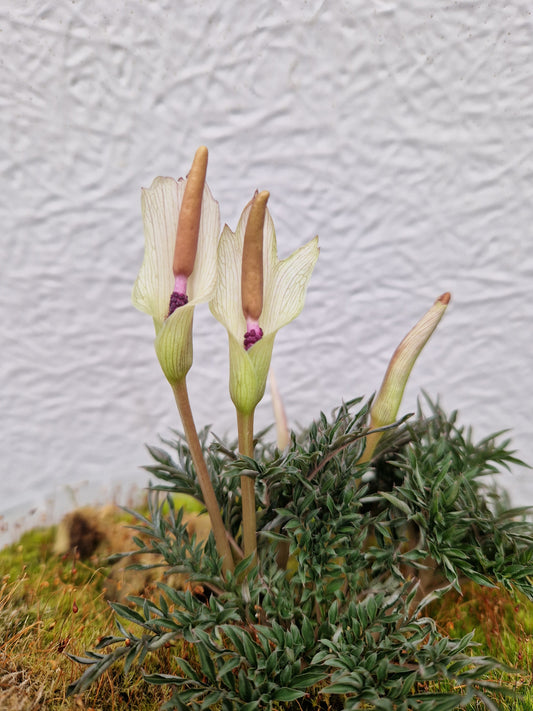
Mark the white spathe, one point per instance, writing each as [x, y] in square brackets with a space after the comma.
[284, 288]
[161, 204]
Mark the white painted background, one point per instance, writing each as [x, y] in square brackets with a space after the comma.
[400, 132]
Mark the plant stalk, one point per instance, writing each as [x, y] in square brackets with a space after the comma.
[210, 500]
[245, 425]
[372, 440]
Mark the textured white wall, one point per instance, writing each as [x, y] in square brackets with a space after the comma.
[400, 132]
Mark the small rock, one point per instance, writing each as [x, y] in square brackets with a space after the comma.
[92, 531]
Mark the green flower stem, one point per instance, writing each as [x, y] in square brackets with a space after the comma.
[370, 446]
[210, 499]
[245, 425]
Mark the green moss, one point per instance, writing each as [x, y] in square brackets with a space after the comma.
[49, 606]
[503, 624]
[30, 552]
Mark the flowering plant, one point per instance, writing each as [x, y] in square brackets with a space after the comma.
[325, 549]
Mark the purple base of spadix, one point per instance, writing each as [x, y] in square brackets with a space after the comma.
[177, 300]
[252, 336]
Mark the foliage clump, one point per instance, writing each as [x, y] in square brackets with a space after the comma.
[331, 610]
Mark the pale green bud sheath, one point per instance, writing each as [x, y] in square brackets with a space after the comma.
[283, 436]
[387, 403]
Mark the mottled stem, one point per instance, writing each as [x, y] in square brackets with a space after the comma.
[210, 500]
[245, 424]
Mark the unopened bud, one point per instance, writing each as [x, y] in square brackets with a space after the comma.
[387, 402]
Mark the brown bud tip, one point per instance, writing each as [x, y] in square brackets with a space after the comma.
[252, 258]
[445, 298]
[189, 217]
